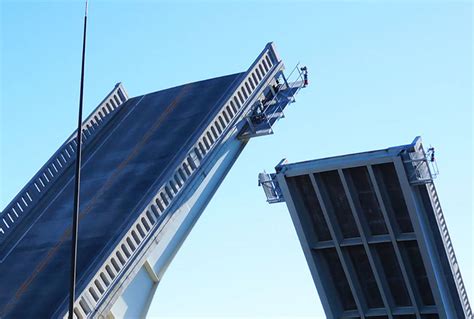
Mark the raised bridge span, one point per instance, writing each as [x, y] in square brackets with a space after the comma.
[151, 164]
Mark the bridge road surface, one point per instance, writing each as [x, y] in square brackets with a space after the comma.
[129, 155]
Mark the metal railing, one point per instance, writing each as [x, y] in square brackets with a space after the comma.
[271, 188]
[284, 93]
[421, 165]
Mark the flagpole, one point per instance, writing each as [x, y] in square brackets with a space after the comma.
[77, 188]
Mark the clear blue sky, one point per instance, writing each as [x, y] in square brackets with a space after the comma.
[381, 73]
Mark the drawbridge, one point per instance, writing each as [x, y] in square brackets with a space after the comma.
[150, 165]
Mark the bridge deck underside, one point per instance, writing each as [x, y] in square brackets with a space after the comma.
[370, 239]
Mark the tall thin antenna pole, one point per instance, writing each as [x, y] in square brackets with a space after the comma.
[77, 188]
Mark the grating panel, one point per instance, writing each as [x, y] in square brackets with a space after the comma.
[393, 274]
[333, 264]
[368, 200]
[309, 205]
[335, 191]
[389, 182]
[421, 278]
[365, 276]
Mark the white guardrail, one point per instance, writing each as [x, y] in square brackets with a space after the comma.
[449, 250]
[24, 202]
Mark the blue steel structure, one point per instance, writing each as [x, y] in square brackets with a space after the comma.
[373, 233]
[150, 166]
